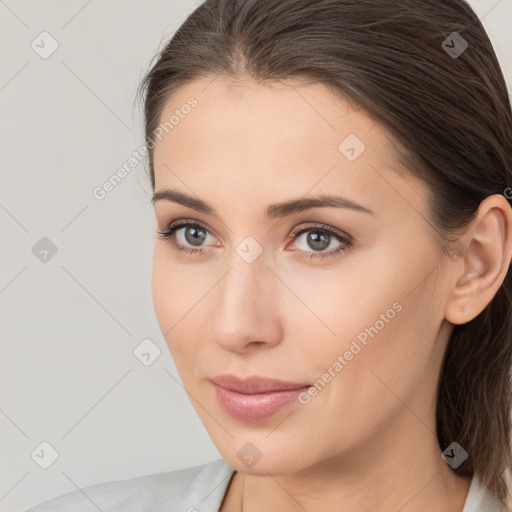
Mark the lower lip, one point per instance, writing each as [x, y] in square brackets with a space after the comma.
[257, 407]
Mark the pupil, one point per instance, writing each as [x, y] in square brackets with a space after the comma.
[197, 237]
[318, 240]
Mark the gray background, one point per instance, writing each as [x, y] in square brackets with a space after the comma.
[70, 324]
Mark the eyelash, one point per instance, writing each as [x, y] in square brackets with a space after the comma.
[346, 240]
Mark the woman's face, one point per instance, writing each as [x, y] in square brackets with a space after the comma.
[356, 312]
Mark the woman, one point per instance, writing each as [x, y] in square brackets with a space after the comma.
[331, 186]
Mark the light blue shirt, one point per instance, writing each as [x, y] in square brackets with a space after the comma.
[195, 489]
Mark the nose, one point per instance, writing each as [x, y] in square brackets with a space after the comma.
[246, 315]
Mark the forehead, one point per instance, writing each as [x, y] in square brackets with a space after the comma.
[279, 138]
[281, 111]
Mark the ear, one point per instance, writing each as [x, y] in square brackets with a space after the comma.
[479, 272]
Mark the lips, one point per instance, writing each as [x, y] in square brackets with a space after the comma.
[255, 398]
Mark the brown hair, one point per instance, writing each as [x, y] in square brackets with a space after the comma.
[447, 110]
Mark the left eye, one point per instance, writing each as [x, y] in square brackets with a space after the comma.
[319, 238]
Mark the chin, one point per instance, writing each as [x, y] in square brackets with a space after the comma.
[263, 458]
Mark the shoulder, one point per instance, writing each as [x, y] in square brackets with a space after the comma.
[480, 499]
[508, 479]
[194, 488]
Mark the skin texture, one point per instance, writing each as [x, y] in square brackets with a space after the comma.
[367, 439]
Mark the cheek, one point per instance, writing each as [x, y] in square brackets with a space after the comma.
[177, 292]
[370, 386]
[174, 288]
[381, 350]
[161, 284]
[169, 296]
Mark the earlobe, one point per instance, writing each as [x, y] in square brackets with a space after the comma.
[478, 275]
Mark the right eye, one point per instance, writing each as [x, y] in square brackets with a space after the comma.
[181, 232]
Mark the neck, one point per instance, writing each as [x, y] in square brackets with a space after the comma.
[406, 473]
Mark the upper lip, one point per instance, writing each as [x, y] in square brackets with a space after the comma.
[255, 384]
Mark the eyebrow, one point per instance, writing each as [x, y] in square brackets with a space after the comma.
[274, 211]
